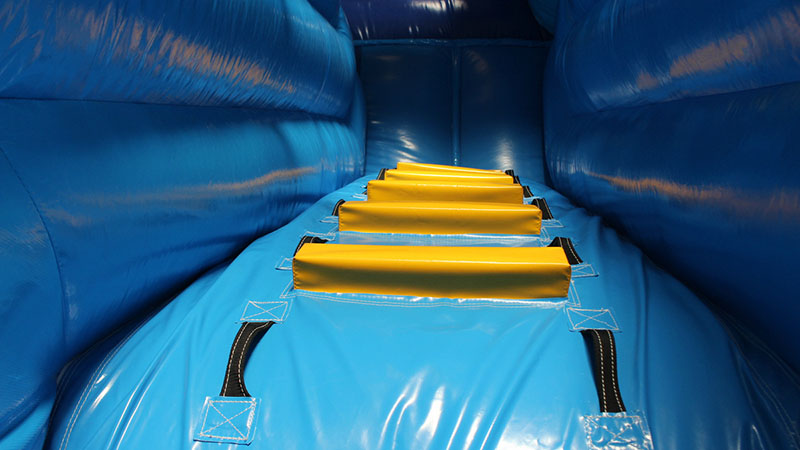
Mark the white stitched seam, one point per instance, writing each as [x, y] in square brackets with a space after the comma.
[230, 438]
[241, 355]
[230, 360]
[602, 377]
[614, 385]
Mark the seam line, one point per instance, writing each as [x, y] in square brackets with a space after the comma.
[52, 248]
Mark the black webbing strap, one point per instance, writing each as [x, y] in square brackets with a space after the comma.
[247, 337]
[309, 240]
[337, 207]
[542, 204]
[381, 174]
[526, 191]
[569, 249]
[603, 352]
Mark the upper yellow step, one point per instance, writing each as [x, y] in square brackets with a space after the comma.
[408, 191]
[439, 217]
[448, 177]
[421, 167]
[454, 272]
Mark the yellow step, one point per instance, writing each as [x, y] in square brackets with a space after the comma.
[439, 217]
[448, 177]
[454, 272]
[421, 167]
[408, 191]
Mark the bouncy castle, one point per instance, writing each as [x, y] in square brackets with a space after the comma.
[399, 224]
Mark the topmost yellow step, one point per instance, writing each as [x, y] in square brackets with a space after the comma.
[421, 167]
[448, 177]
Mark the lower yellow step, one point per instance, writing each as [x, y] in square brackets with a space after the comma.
[439, 217]
[427, 191]
[448, 177]
[421, 167]
[455, 272]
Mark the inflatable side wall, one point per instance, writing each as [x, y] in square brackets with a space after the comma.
[676, 121]
[140, 145]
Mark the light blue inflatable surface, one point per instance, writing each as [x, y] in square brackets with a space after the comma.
[367, 371]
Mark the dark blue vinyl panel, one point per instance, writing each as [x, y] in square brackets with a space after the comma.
[501, 108]
[693, 150]
[471, 103]
[331, 10]
[137, 200]
[408, 92]
[625, 53]
[442, 19]
[29, 304]
[546, 13]
[255, 53]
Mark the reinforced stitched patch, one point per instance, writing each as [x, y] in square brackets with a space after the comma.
[583, 270]
[552, 223]
[623, 431]
[228, 420]
[275, 311]
[284, 264]
[591, 319]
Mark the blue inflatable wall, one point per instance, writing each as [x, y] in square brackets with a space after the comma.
[141, 144]
[675, 122]
[160, 161]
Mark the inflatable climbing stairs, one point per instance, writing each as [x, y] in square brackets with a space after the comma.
[416, 224]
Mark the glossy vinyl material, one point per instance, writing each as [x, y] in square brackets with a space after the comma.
[524, 272]
[472, 103]
[136, 174]
[501, 108]
[394, 87]
[693, 49]
[121, 214]
[406, 191]
[686, 140]
[442, 19]
[444, 168]
[402, 175]
[439, 217]
[454, 272]
[377, 371]
[254, 53]
[546, 13]
[30, 290]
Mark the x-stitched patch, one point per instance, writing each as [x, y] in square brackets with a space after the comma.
[265, 311]
[591, 319]
[617, 432]
[228, 420]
